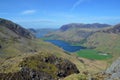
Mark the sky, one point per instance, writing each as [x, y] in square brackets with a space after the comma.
[55, 13]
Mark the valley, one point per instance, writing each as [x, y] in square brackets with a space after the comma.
[95, 47]
[55, 58]
[59, 40]
[65, 46]
[78, 47]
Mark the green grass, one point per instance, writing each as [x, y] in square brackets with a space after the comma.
[92, 54]
[105, 42]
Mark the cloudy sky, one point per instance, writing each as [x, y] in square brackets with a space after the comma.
[54, 13]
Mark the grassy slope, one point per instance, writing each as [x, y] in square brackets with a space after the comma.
[14, 50]
[40, 46]
[105, 42]
[10, 64]
[71, 35]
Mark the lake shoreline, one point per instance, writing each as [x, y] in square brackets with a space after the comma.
[65, 45]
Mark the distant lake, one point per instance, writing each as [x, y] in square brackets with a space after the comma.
[65, 46]
[40, 34]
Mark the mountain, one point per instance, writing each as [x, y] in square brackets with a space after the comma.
[107, 41]
[115, 29]
[24, 57]
[75, 32]
[14, 39]
[80, 25]
[15, 29]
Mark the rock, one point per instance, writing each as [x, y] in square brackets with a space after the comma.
[26, 74]
[0, 46]
[115, 29]
[45, 68]
[114, 70]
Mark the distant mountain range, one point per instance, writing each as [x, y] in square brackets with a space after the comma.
[80, 25]
[76, 32]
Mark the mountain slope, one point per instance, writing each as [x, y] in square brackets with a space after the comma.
[21, 53]
[15, 29]
[106, 40]
[115, 29]
[40, 67]
[18, 45]
[13, 38]
[76, 32]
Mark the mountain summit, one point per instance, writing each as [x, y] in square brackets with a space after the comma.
[17, 29]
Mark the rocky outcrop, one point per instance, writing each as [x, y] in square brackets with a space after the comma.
[115, 29]
[42, 68]
[114, 71]
[27, 74]
[16, 28]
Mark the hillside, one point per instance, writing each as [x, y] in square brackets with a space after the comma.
[106, 41]
[14, 39]
[75, 32]
[18, 46]
[21, 53]
[14, 29]
[115, 29]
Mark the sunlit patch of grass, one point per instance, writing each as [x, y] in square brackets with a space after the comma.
[93, 54]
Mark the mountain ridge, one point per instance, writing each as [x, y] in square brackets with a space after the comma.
[115, 29]
[81, 25]
[75, 32]
[16, 28]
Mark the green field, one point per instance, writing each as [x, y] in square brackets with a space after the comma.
[92, 54]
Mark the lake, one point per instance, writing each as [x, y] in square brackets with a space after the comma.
[40, 33]
[65, 46]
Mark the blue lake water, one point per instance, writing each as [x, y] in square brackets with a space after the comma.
[65, 46]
